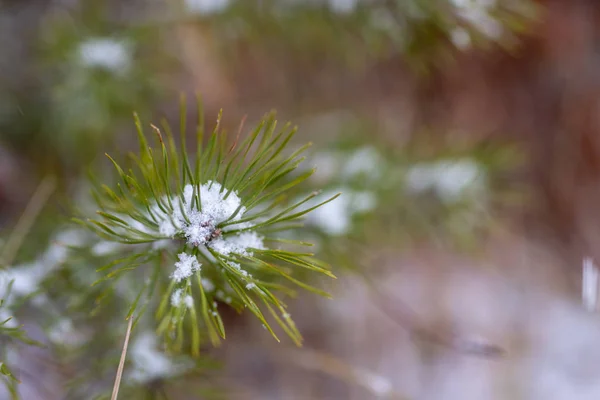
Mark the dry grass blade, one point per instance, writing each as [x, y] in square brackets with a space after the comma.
[35, 205]
[115, 392]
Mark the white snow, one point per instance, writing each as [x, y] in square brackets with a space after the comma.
[64, 333]
[379, 385]
[461, 38]
[335, 217]
[478, 14]
[161, 244]
[326, 164]
[448, 179]
[201, 227]
[26, 278]
[343, 6]
[208, 285]
[177, 299]
[239, 268]
[365, 161]
[206, 6]
[198, 226]
[105, 53]
[589, 285]
[185, 267]
[149, 363]
[237, 244]
[106, 247]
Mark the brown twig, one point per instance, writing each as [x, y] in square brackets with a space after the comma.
[115, 392]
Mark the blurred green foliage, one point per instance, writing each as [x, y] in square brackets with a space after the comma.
[92, 64]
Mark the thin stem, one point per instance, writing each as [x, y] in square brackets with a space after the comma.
[115, 392]
[37, 202]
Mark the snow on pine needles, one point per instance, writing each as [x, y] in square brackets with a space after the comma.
[211, 217]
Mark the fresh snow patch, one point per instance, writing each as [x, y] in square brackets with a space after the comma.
[199, 226]
[237, 244]
[177, 298]
[185, 267]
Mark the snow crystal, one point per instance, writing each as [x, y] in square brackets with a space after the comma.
[177, 299]
[250, 286]
[200, 229]
[239, 268]
[185, 267]
[216, 206]
[181, 216]
[235, 265]
[237, 244]
[105, 53]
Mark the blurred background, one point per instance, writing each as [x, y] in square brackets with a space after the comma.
[463, 134]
